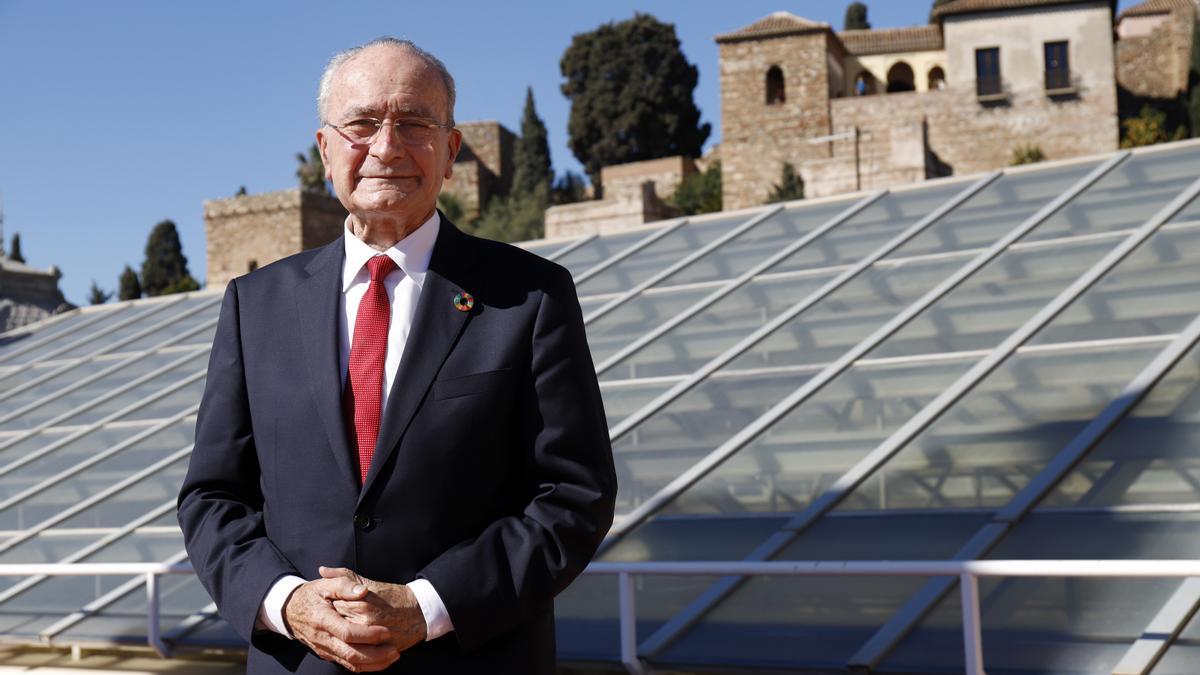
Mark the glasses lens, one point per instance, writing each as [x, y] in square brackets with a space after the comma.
[361, 130]
[416, 133]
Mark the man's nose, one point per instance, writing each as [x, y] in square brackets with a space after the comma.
[387, 144]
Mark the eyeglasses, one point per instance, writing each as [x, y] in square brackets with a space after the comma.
[362, 130]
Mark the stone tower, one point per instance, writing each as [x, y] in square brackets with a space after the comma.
[250, 231]
[777, 76]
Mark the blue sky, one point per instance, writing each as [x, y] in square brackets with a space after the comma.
[115, 115]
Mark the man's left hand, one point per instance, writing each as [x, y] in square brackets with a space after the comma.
[392, 606]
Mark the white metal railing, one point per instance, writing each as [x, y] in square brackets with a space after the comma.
[967, 571]
[151, 572]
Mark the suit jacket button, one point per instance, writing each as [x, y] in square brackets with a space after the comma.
[362, 521]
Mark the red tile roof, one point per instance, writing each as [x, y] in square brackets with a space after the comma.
[891, 40]
[774, 25]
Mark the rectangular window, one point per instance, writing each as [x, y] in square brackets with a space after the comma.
[1058, 67]
[987, 72]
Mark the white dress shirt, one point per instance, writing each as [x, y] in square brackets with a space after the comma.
[403, 286]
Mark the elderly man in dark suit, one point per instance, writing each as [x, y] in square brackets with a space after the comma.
[401, 454]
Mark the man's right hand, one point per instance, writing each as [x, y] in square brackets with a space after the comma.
[310, 617]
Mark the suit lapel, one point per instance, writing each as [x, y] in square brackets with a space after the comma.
[435, 329]
[317, 301]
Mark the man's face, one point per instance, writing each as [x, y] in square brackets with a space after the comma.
[387, 180]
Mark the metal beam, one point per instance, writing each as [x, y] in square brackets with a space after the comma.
[571, 247]
[736, 283]
[678, 265]
[629, 250]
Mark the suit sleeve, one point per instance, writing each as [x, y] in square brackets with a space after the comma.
[518, 564]
[220, 503]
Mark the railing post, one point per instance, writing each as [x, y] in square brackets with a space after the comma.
[628, 614]
[153, 629]
[972, 629]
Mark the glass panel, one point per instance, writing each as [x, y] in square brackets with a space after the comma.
[180, 596]
[623, 400]
[147, 393]
[1183, 655]
[636, 317]
[710, 332]
[994, 211]
[988, 445]
[186, 325]
[667, 443]
[1152, 456]
[86, 333]
[589, 305]
[1127, 196]
[176, 402]
[599, 249]
[758, 243]
[17, 339]
[822, 333]
[114, 511]
[59, 404]
[1154, 291]
[660, 255]
[804, 452]
[870, 229]
[25, 374]
[985, 308]
[820, 622]
[545, 248]
[1058, 625]
[166, 312]
[56, 596]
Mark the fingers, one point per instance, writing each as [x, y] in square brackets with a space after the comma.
[340, 588]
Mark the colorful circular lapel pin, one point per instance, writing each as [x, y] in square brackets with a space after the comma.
[464, 301]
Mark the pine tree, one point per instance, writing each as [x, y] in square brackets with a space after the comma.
[129, 288]
[856, 17]
[15, 249]
[789, 187]
[531, 153]
[568, 189]
[97, 296]
[630, 88]
[165, 268]
[700, 192]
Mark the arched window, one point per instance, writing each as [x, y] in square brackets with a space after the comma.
[864, 84]
[900, 78]
[937, 78]
[775, 90]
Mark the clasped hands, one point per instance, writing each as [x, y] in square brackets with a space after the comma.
[360, 624]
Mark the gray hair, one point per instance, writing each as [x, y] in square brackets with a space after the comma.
[342, 57]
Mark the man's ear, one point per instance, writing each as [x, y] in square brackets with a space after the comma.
[322, 141]
[454, 144]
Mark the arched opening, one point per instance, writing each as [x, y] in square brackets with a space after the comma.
[253, 265]
[900, 78]
[775, 89]
[937, 78]
[864, 84]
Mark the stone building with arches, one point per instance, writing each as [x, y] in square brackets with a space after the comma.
[864, 109]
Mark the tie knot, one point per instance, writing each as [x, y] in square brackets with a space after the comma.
[380, 266]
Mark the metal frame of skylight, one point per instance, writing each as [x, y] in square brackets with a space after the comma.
[866, 466]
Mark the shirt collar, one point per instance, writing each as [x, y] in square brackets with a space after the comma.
[411, 254]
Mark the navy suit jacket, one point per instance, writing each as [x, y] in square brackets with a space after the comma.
[492, 477]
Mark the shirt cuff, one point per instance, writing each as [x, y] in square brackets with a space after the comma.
[437, 619]
[270, 613]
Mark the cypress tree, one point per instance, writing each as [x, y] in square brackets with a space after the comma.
[531, 153]
[165, 268]
[1193, 102]
[98, 296]
[856, 17]
[15, 249]
[129, 288]
[789, 187]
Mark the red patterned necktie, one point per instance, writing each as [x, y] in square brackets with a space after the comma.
[363, 396]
